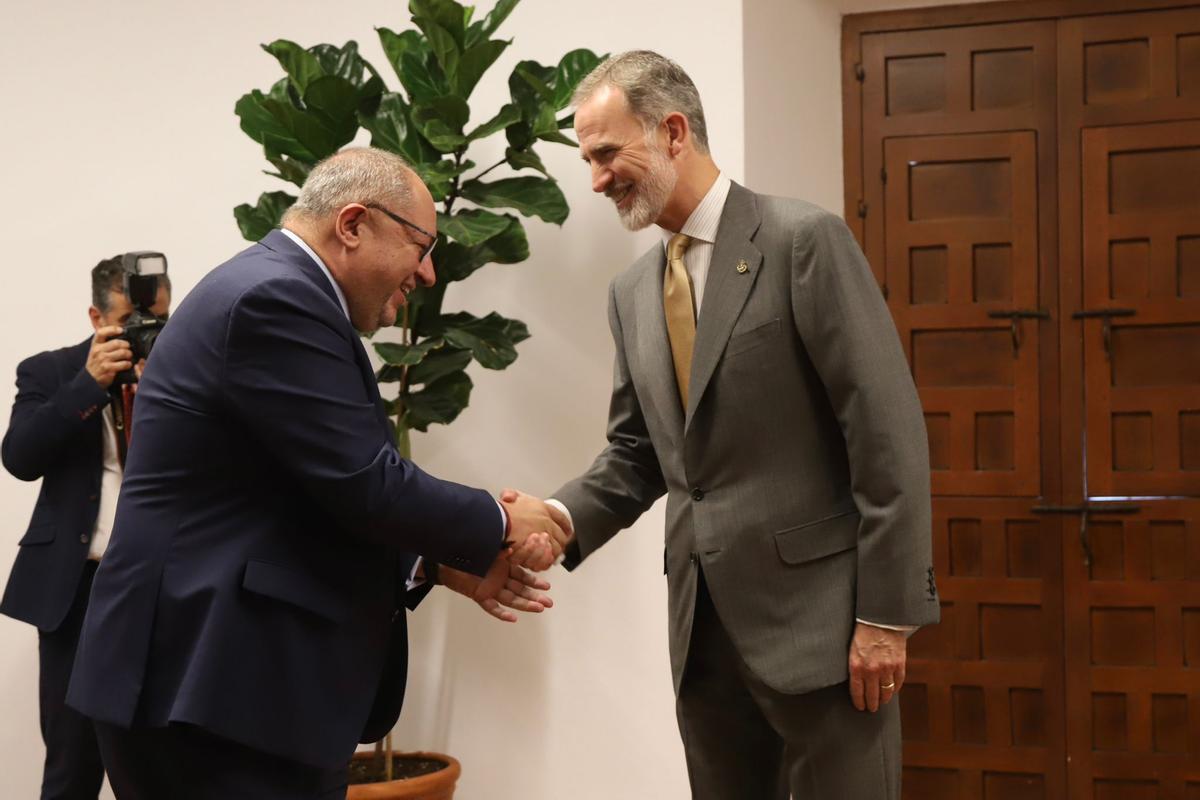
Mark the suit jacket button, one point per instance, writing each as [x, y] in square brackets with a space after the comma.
[85, 538]
[697, 494]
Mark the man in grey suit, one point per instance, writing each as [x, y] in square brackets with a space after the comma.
[759, 383]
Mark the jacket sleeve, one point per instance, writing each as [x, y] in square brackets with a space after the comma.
[626, 478]
[47, 417]
[849, 335]
[291, 377]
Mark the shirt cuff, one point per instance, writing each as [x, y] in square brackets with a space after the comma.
[909, 629]
[503, 522]
[566, 513]
[413, 581]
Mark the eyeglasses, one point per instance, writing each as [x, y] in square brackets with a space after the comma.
[425, 251]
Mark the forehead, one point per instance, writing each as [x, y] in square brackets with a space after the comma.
[604, 116]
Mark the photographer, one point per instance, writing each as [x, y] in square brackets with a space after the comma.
[67, 428]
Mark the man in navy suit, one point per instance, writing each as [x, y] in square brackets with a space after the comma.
[247, 625]
[63, 431]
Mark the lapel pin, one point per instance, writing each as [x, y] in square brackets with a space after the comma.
[742, 267]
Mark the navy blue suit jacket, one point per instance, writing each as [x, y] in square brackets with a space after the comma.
[54, 434]
[254, 584]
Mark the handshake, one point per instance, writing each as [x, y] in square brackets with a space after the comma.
[535, 539]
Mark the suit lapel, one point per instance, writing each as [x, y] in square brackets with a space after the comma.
[725, 291]
[654, 346]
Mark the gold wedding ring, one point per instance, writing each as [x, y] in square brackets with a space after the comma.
[891, 685]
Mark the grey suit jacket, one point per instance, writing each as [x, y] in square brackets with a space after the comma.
[798, 476]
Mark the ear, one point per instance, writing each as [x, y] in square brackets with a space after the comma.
[678, 132]
[94, 316]
[347, 226]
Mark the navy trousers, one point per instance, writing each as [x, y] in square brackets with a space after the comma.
[73, 769]
[183, 762]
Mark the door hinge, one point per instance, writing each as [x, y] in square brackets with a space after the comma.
[883, 174]
[859, 73]
[862, 210]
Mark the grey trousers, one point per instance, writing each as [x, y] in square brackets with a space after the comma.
[746, 741]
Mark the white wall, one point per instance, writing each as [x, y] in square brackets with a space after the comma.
[119, 134]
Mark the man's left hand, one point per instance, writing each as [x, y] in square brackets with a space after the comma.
[877, 662]
[506, 586]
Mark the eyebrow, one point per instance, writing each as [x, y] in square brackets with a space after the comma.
[603, 147]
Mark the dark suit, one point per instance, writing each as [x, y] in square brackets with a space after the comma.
[254, 586]
[55, 434]
[797, 483]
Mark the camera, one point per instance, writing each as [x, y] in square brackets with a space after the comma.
[144, 270]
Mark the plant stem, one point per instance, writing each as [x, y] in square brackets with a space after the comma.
[489, 169]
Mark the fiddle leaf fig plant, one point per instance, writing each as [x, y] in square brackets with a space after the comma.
[329, 94]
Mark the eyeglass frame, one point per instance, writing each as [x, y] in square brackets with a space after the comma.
[427, 249]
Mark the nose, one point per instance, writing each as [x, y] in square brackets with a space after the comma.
[601, 178]
[425, 272]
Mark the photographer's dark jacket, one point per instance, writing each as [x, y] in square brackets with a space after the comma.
[55, 433]
[254, 583]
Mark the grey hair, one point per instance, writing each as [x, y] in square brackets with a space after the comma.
[354, 175]
[653, 85]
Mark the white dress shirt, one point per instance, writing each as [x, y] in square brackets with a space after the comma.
[110, 488]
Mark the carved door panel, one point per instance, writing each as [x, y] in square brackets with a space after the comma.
[962, 269]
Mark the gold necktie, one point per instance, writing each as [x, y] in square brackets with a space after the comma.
[680, 312]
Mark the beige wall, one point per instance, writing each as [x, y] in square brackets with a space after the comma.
[119, 133]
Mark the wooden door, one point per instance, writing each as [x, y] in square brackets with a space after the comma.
[1130, 87]
[958, 224]
[1025, 179]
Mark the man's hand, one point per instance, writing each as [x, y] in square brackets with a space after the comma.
[505, 585]
[529, 515]
[877, 662]
[108, 356]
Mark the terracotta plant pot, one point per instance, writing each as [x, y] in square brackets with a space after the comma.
[432, 786]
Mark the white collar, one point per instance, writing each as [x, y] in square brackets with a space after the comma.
[295, 237]
[702, 225]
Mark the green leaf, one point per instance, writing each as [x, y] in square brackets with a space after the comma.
[492, 340]
[473, 226]
[420, 80]
[474, 62]
[446, 14]
[438, 364]
[496, 16]
[523, 92]
[392, 129]
[289, 169]
[405, 355]
[441, 121]
[511, 246]
[336, 100]
[396, 45]
[425, 307]
[343, 62]
[531, 196]
[445, 49]
[260, 120]
[536, 78]
[439, 402]
[299, 64]
[507, 115]
[260, 219]
[572, 68]
[525, 159]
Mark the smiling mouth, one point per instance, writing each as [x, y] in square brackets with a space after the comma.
[621, 196]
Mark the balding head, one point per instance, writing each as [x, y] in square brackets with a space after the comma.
[355, 175]
[371, 221]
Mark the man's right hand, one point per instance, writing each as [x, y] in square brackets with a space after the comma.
[529, 515]
[108, 355]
